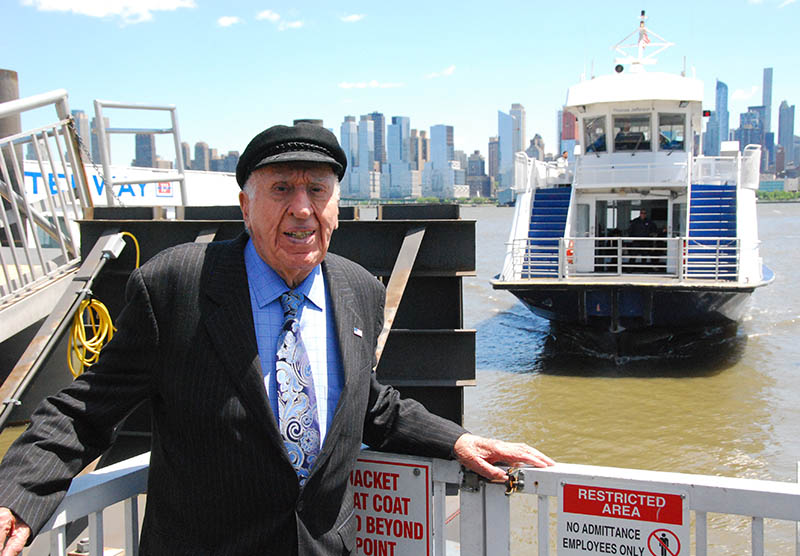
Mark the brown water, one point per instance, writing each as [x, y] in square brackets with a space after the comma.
[730, 408]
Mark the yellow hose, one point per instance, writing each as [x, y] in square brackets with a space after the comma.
[93, 315]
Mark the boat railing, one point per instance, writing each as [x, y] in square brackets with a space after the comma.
[678, 258]
[37, 234]
[642, 174]
[484, 509]
[715, 170]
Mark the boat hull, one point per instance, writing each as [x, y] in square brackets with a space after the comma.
[628, 308]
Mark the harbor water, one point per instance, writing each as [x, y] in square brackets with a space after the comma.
[726, 405]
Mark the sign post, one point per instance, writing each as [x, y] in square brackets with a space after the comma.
[603, 516]
[392, 499]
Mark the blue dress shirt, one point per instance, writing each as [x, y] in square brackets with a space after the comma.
[316, 328]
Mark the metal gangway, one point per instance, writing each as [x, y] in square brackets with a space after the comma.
[485, 527]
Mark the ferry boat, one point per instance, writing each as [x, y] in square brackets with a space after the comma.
[639, 237]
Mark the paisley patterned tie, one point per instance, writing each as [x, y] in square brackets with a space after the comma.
[297, 402]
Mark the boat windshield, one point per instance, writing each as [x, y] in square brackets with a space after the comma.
[594, 131]
[632, 133]
[671, 132]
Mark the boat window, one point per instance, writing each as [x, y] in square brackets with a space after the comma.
[632, 133]
[671, 132]
[595, 134]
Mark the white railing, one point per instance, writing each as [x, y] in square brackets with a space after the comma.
[484, 507]
[715, 170]
[642, 174]
[38, 238]
[680, 258]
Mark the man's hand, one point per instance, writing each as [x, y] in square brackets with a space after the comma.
[14, 533]
[478, 454]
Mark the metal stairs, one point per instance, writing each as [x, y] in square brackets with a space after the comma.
[547, 224]
[712, 219]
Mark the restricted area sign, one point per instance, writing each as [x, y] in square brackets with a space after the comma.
[603, 516]
[392, 501]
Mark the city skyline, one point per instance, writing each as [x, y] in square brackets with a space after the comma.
[230, 78]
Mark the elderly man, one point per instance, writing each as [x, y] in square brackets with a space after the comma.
[257, 355]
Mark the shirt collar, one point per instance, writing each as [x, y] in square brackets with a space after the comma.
[267, 285]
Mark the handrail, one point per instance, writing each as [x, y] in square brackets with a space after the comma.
[484, 507]
[105, 153]
[681, 258]
[26, 259]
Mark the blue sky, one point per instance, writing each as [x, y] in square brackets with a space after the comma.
[236, 67]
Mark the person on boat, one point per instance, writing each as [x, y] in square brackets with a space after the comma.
[642, 227]
[257, 355]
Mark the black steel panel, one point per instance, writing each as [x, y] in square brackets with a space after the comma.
[444, 402]
[231, 212]
[419, 212]
[431, 302]
[431, 356]
[448, 246]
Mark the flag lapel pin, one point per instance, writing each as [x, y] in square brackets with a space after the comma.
[357, 332]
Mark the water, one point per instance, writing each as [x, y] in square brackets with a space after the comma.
[729, 409]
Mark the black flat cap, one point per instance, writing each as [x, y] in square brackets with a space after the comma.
[302, 142]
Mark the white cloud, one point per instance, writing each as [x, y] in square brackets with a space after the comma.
[786, 3]
[352, 18]
[130, 11]
[744, 94]
[370, 85]
[269, 15]
[283, 25]
[445, 72]
[228, 20]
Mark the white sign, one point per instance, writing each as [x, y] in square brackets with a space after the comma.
[600, 516]
[393, 510]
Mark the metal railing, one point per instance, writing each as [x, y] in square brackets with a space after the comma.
[681, 258]
[642, 174]
[484, 508]
[105, 154]
[37, 235]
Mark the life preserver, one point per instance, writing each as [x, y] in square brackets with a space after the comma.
[570, 252]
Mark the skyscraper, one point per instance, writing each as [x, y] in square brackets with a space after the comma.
[186, 153]
[766, 99]
[478, 181]
[711, 142]
[96, 158]
[723, 117]
[348, 136]
[505, 152]
[518, 137]
[202, 160]
[439, 175]
[84, 135]
[494, 156]
[397, 139]
[380, 137]
[786, 132]
[145, 151]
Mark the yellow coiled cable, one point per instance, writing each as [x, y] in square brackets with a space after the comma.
[91, 314]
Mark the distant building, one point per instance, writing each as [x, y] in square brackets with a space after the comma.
[96, 157]
[84, 133]
[505, 154]
[348, 136]
[439, 176]
[766, 99]
[477, 180]
[231, 160]
[419, 149]
[494, 157]
[379, 130]
[398, 180]
[461, 156]
[186, 154]
[711, 142]
[202, 160]
[723, 116]
[518, 135]
[145, 151]
[786, 132]
[536, 149]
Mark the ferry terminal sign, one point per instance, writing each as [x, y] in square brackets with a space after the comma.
[608, 517]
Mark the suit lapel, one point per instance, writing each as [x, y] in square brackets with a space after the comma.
[230, 326]
[351, 349]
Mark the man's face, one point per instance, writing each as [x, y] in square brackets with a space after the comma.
[292, 213]
[642, 214]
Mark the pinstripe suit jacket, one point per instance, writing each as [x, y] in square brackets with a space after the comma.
[220, 481]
